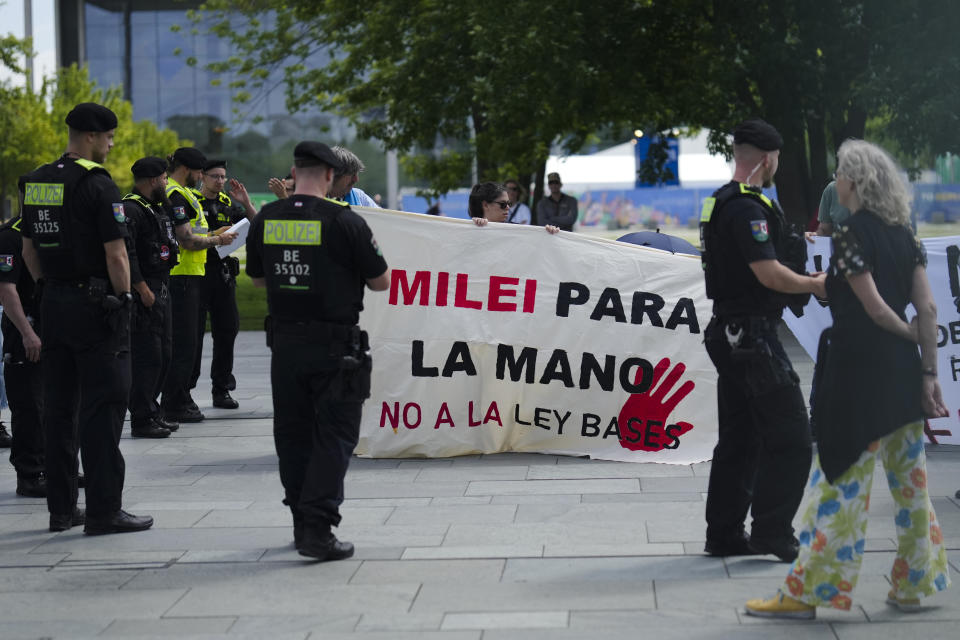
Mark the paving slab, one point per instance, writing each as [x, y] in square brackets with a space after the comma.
[557, 533]
[506, 620]
[898, 630]
[8, 560]
[569, 550]
[175, 627]
[235, 599]
[404, 635]
[423, 571]
[484, 513]
[703, 630]
[28, 579]
[86, 604]
[472, 551]
[606, 569]
[269, 626]
[535, 596]
[536, 487]
[33, 629]
[400, 622]
[264, 575]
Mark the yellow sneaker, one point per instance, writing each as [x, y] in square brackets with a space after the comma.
[780, 606]
[907, 605]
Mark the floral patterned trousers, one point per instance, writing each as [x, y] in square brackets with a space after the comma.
[834, 527]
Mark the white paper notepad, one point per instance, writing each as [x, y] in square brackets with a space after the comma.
[241, 229]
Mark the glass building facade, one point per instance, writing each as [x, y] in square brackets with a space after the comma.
[132, 44]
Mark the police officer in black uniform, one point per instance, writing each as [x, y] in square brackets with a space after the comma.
[74, 232]
[315, 255]
[186, 281]
[219, 290]
[763, 453]
[154, 253]
[21, 363]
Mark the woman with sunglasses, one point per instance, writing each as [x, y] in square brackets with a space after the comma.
[489, 203]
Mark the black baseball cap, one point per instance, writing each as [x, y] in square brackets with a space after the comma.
[309, 153]
[758, 133]
[215, 164]
[90, 116]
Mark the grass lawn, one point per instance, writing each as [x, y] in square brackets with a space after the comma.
[251, 303]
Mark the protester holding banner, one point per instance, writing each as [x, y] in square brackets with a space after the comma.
[762, 456]
[489, 202]
[873, 411]
[314, 256]
[519, 212]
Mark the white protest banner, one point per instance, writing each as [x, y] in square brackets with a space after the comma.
[816, 315]
[507, 338]
[943, 272]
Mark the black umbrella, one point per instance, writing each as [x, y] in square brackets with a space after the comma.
[658, 240]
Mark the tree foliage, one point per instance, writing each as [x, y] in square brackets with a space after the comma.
[820, 69]
[512, 79]
[504, 80]
[33, 130]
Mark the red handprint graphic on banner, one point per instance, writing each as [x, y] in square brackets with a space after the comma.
[643, 420]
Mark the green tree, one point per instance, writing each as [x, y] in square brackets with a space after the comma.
[509, 80]
[503, 81]
[820, 70]
[27, 136]
[133, 139]
[24, 127]
[33, 130]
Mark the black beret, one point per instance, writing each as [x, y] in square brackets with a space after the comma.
[310, 153]
[90, 116]
[214, 164]
[190, 158]
[149, 167]
[758, 133]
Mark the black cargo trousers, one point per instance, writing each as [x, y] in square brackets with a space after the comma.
[85, 362]
[763, 453]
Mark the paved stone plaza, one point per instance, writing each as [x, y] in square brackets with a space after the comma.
[494, 547]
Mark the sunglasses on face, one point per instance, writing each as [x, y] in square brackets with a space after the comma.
[554, 182]
[501, 203]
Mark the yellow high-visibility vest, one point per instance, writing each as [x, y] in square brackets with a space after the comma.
[192, 263]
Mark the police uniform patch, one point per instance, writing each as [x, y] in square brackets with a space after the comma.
[164, 252]
[759, 230]
[6, 262]
[180, 213]
[118, 212]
